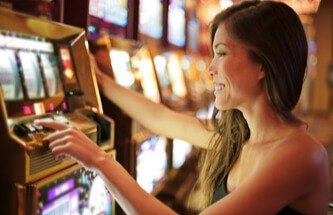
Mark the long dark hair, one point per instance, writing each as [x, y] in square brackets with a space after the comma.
[274, 37]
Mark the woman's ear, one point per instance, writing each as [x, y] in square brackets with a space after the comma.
[261, 73]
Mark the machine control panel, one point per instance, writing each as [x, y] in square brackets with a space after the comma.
[35, 135]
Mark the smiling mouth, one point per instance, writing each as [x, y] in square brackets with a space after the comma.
[219, 87]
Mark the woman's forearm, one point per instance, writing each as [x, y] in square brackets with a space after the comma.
[128, 194]
[135, 104]
[155, 117]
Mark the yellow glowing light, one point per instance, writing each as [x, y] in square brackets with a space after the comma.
[39, 108]
[176, 76]
[69, 73]
[148, 81]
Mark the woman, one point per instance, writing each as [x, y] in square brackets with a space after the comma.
[259, 158]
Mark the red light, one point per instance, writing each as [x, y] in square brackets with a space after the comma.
[26, 110]
[64, 106]
[51, 107]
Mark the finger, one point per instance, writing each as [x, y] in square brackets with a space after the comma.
[59, 135]
[61, 156]
[50, 123]
[70, 132]
[60, 151]
[94, 63]
[100, 76]
[61, 141]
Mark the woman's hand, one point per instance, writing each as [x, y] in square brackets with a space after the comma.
[102, 78]
[68, 140]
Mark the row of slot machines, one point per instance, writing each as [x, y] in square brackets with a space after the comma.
[147, 157]
[45, 72]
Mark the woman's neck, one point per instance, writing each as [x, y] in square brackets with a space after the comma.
[264, 122]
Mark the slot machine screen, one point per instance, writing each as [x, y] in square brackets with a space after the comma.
[66, 61]
[144, 70]
[122, 68]
[78, 192]
[193, 34]
[32, 74]
[160, 62]
[180, 152]
[152, 163]
[96, 8]
[52, 75]
[115, 12]
[176, 23]
[176, 76]
[151, 18]
[9, 76]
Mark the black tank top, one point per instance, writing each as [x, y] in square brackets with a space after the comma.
[221, 192]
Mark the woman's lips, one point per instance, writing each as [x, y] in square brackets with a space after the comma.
[219, 87]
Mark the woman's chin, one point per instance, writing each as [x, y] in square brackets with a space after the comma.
[221, 106]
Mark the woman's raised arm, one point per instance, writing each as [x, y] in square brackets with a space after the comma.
[155, 117]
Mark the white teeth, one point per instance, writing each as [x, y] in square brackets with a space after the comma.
[219, 87]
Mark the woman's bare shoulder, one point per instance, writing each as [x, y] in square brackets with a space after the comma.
[302, 153]
[304, 146]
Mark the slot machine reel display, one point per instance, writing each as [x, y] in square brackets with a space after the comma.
[45, 73]
[151, 163]
[74, 190]
[172, 80]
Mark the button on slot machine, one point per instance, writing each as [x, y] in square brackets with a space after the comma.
[45, 73]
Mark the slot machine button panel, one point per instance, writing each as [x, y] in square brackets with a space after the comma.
[38, 128]
[31, 128]
[21, 130]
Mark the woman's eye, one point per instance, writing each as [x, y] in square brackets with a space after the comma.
[220, 54]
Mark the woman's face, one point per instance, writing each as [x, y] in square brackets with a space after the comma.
[237, 79]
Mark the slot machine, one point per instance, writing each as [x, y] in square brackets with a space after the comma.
[45, 73]
[172, 80]
[108, 17]
[146, 156]
[162, 26]
[73, 190]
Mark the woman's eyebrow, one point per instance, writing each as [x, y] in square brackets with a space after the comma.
[219, 44]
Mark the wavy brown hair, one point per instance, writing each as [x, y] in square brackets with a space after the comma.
[275, 38]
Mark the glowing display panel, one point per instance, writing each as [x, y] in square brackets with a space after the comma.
[32, 75]
[152, 163]
[136, 72]
[170, 75]
[9, 76]
[66, 61]
[193, 34]
[176, 76]
[151, 18]
[176, 23]
[180, 152]
[160, 62]
[52, 76]
[144, 71]
[79, 192]
[122, 68]
[113, 11]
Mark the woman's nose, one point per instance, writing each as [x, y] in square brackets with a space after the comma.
[211, 69]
